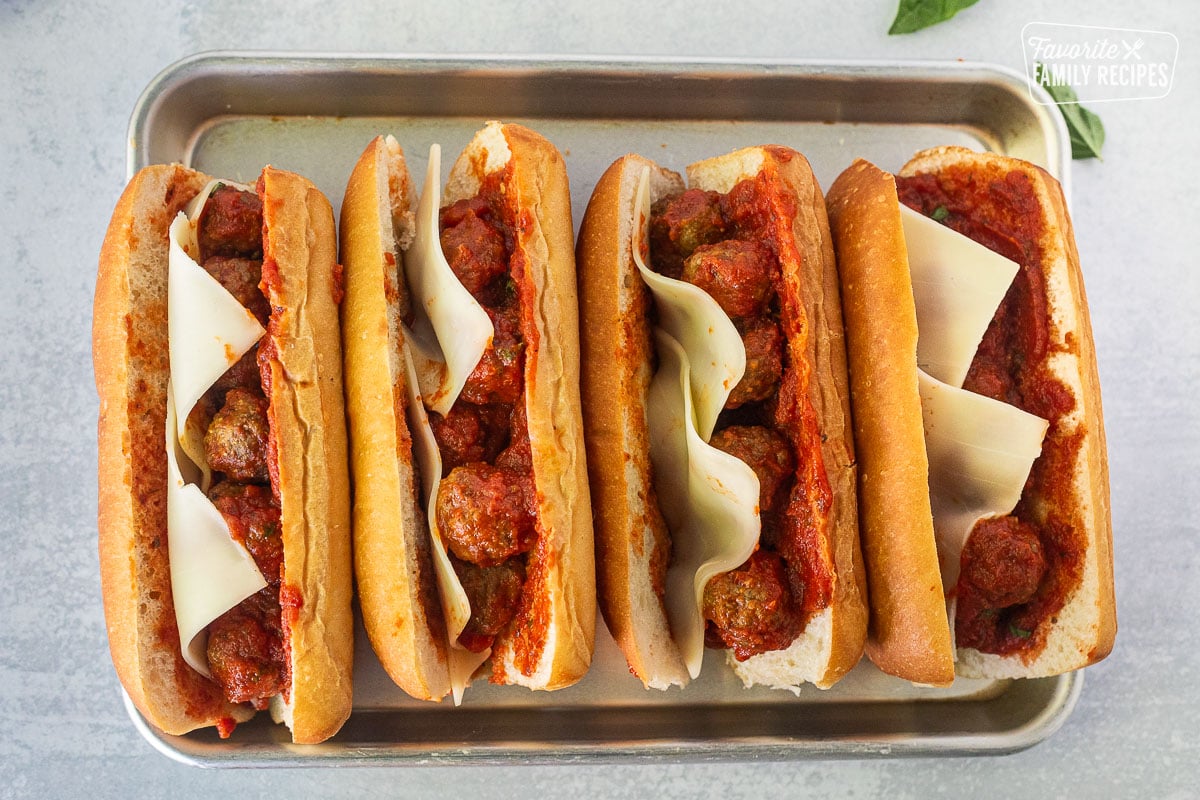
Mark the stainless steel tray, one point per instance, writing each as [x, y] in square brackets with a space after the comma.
[228, 114]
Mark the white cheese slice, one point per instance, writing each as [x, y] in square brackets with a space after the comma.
[716, 354]
[210, 571]
[980, 453]
[451, 330]
[957, 285]
[708, 497]
[456, 608]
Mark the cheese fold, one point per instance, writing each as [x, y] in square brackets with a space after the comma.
[451, 330]
[708, 498]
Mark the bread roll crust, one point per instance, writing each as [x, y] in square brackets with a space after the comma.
[131, 366]
[308, 424]
[909, 633]
[392, 555]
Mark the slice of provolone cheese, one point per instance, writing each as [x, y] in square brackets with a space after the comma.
[208, 331]
[708, 497]
[980, 452]
[957, 285]
[716, 354]
[210, 571]
[456, 608]
[451, 330]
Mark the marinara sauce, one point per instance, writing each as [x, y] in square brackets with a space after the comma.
[730, 246]
[1016, 571]
[487, 504]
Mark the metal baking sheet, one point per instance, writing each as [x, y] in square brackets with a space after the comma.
[228, 114]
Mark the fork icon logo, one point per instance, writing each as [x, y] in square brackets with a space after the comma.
[1132, 49]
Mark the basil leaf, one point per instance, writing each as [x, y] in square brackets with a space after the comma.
[1020, 633]
[1087, 132]
[914, 15]
[940, 213]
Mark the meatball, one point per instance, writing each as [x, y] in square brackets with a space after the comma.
[738, 274]
[244, 374]
[485, 513]
[764, 363]
[751, 609]
[1003, 561]
[518, 455]
[470, 433]
[494, 593]
[245, 650]
[764, 451]
[231, 224]
[680, 224]
[455, 213]
[748, 208]
[240, 277]
[252, 513]
[473, 246]
[236, 441]
[499, 377]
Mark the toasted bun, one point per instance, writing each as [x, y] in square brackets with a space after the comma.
[909, 634]
[309, 427]
[832, 643]
[397, 589]
[632, 541]
[1084, 629]
[130, 356]
[549, 643]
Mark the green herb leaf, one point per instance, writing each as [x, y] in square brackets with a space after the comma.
[940, 213]
[914, 15]
[1020, 633]
[1087, 132]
